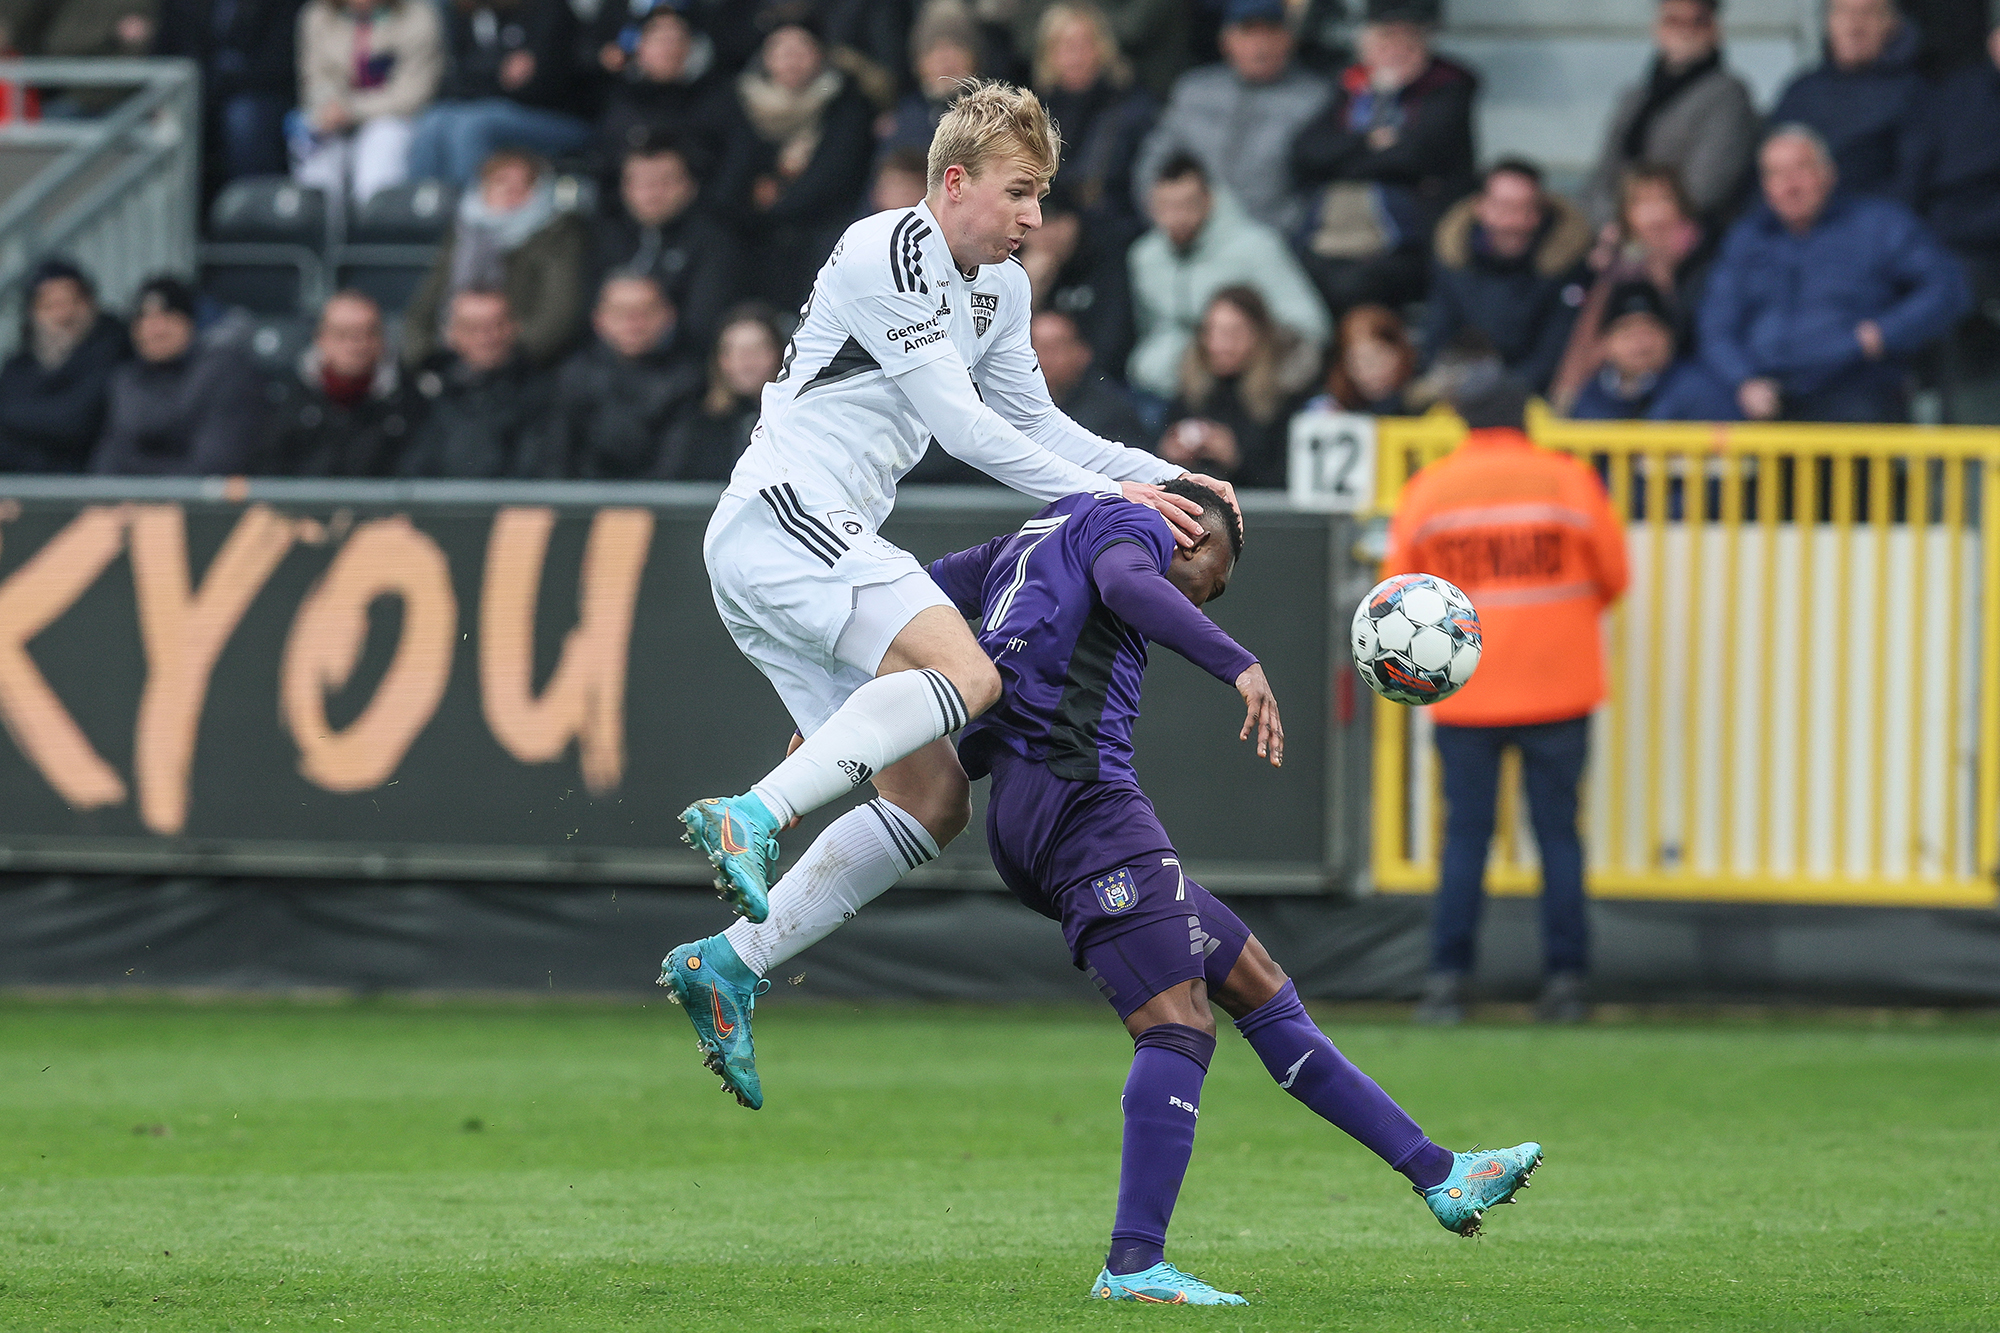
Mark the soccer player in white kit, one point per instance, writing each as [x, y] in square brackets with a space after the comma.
[916, 333]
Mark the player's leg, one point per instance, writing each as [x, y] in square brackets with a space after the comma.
[1459, 1187]
[922, 802]
[1470, 760]
[925, 677]
[931, 679]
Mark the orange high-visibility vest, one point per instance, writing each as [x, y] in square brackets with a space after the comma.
[1531, 537]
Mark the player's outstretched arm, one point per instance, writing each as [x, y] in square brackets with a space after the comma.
[1262, 716]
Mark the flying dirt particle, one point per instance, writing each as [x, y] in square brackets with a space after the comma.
[799, 980]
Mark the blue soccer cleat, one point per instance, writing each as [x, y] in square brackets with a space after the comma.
[1478, 1181]
[1162, 1284]
[739, 836]
[709, 982]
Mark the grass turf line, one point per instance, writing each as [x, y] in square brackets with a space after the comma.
[378, 1166]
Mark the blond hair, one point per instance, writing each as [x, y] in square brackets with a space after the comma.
[992, 119]
[1058, 16]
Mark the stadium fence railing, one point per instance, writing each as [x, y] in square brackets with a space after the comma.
[1804, 674]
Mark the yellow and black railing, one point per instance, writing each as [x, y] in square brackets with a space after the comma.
[1805, 674]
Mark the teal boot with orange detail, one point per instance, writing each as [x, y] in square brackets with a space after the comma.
[739, 836]
[718, 992]
[1479, 1181]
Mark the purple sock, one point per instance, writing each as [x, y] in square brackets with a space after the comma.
[1161, 1096]
[1313, 1070]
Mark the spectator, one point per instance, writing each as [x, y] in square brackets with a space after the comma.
[179, 409]
[1239, 385]
[1658, 240]
[1085, 396]
[1087, 85]
[1865, 98]
[1641, 373]
[53, 390]
[669, 87]
[509, 236]
[1688, 114]
[1469, 518]
[797, 161]
[1201, 243]
[619, 395]
[900, 180]
[1509, 267]
[1955, 166]
[706, 442]
[1079, 269]
[487, 404]
[366, 68]
[249, 77]
[1239, 118]
[1155, 36]
[1373, 360]
[1387, 156]
[509, 87]
[1817, 297]
[657, 230]
[944, 54]
[90, 29]
[349, 412]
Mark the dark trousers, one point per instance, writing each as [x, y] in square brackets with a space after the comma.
[1552, 759]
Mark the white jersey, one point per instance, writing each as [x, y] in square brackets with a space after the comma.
[895, 350]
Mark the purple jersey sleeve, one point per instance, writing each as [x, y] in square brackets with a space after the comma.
[1128, 578]
[962, 574]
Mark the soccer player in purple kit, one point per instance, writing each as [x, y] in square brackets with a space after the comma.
[1065, 608]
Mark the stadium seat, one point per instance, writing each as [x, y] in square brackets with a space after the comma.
[417, 213]
[275, 343]
[266, 241]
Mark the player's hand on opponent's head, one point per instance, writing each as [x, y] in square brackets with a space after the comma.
[1220, 487]
[1263, 715]
[1182, 514]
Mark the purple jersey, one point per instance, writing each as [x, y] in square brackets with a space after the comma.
[1071, 669]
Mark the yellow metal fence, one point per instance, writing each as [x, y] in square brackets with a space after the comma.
[1805, 673]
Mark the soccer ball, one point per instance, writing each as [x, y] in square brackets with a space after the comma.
[1415, 639]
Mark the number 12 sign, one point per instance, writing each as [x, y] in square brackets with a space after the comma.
[1333, 462]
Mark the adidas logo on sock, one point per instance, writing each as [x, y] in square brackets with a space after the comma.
[857, 772]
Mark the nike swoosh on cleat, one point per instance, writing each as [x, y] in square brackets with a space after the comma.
[1292, 1074]
[1487, 1172]
[729, 843]
[722, 1025]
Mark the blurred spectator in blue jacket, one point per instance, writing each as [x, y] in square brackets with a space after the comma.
[53, 390]
[247, 51]
[1642, 374]
[1817, 298]
[1389, 154]
[510, 85]
[1239, 118]
[1509, 266]
[1865, 98]
[1955, 166]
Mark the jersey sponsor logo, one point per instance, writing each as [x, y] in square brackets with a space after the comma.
[857, 772]
[1116, 891]
[912, 344]
[909, 330]
[906, 254]
[985, 306]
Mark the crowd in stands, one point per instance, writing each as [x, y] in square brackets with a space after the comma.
[1254, 214]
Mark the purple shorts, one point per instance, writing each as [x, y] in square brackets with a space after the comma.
[1093, 856]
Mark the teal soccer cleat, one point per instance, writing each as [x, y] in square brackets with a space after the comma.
[739, 836]
[1478, 1181]
[1162, 1284]
[709, 982]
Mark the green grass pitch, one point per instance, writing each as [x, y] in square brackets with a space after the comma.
[395, 1165]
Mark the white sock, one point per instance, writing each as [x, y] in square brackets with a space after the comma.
[861, 854]
[889, 718]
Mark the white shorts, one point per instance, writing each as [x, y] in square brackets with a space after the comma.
[810, 595]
